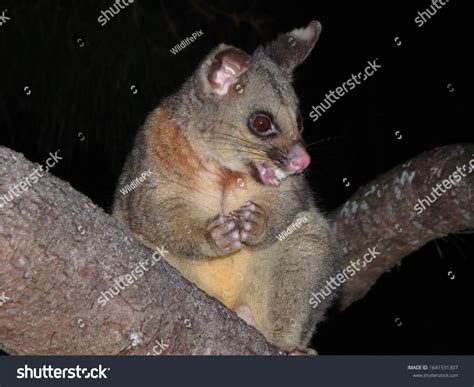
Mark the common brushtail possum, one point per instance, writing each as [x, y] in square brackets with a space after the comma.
[226, 154]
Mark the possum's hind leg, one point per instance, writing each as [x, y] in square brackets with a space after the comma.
[281, 280]
[246, 314]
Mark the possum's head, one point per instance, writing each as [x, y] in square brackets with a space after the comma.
[253, 117]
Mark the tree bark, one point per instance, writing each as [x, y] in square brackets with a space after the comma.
[59, 252]
[382, 214]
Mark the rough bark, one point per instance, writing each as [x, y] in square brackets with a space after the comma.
[382, 214]
[58, 252]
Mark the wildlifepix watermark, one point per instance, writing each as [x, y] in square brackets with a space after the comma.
[350, 84]
[186, 42]
[292, 228]
[135, 183]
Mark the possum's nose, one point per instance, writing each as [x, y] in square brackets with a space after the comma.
[298, 158]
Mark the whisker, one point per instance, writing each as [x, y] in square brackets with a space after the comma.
[244, 143]
[323, 140]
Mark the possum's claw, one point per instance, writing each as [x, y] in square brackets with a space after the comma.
[252, 221]
[297, 351]
[224, 234]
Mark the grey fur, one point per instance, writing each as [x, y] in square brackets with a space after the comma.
[164, 210]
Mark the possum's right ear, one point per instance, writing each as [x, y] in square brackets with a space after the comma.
[223, 67]
[291, 49]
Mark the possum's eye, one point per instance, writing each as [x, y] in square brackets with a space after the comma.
[300, 123]
[261, 124]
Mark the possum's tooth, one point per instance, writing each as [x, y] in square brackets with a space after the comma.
[279, 174]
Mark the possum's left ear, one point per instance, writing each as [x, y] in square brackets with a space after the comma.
[223, 68]
[292, 48]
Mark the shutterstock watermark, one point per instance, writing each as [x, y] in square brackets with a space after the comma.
[112, 11]
[159, 348]
[4, 299]
[50, 372]
[349, 271]
[124, 281]
[441, 188]
[350, 84]
[4, 18]
[424, 16]
[17, 189]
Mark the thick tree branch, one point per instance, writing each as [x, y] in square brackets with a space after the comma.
[58, 252]
[382, 213]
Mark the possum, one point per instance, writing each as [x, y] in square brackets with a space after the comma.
[225, 155]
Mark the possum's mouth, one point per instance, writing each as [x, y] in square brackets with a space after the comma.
[273, 171]
[269, 174]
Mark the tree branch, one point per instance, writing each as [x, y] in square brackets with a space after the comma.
[382, 214]
[59, 252]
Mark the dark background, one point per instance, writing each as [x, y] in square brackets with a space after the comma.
[81, 75]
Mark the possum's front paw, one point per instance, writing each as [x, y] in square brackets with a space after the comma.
[252, 221]
[224, 234]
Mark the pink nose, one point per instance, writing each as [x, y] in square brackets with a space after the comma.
[299, 158]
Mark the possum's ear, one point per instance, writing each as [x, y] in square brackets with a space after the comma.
[292, 48]
[223, 68]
